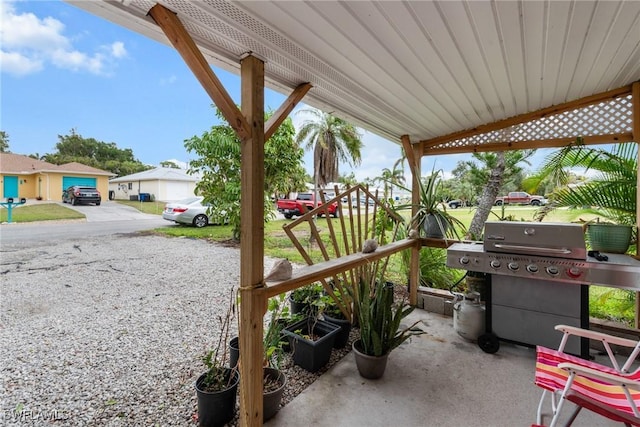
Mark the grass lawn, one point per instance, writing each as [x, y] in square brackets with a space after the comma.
[40, 212]
[154, 208]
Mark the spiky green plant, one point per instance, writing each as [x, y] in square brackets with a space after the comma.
[431, 205]
[379, 318]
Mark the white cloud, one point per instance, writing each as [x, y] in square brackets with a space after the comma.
[29, 43]
[168, 81]
[117, 50]
[17, 64]
[180, 163]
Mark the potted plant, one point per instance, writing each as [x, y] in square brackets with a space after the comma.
[216, 389]
[303, 298]
[329, 310]
[431, 214]
[604, 236]
[611, 192]
[311, 341]
[379, 318]
[274, 380]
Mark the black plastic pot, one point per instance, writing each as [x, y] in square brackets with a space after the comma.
[271, 400]
[309, 354]
[299, 307]
[215, 409]
[343, 334]
[234, 351]
[370, 367]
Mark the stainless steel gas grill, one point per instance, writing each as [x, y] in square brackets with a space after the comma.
[539, 276]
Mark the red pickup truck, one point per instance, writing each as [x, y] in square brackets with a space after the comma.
[301, 205]
[520, 197]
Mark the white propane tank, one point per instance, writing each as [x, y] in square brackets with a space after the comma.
[469, 316]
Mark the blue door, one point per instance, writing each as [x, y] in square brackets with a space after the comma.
[10, 186]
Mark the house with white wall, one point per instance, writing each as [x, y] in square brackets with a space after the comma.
[163, 184]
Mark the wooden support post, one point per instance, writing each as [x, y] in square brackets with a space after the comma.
[252, 301]
[414, 156]
[249, 126]
[635, 101]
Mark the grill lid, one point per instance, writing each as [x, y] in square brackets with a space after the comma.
[557, 240]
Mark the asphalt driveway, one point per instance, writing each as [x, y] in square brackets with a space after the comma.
[107, 219]
[109, 211]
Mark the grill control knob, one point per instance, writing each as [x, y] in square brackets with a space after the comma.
[513, 266]
[464, 260]
[553, 270]
[495, 264]
[574, 272]
[532, 268]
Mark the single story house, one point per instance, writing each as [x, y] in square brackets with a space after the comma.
[166, 184]
[29, 178]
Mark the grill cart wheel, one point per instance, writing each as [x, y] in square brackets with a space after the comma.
[489, 343]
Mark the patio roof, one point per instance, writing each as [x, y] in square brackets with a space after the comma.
[427, 73]
[423, 69]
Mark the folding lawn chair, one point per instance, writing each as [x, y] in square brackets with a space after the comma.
[611, 391]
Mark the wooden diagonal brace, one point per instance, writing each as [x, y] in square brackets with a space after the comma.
[287, 106]
[181, 40]
[410, 154]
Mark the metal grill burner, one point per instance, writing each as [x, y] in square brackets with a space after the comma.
[534, 270]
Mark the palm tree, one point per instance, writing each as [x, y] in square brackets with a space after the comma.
[333, 141]
[348, 181]
[385, 179]
[498, 167]
[390, 178]
[397, 172]
[612, 191]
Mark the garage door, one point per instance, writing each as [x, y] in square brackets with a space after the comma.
[177, 190]
[68, 181]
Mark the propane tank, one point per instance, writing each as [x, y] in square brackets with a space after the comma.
[469, 316]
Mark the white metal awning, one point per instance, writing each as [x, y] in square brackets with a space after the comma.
[417, 68]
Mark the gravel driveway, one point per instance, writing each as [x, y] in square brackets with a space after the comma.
[110, 330]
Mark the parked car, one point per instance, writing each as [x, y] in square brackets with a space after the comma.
[77, 195]
[303, 203]
[520, 198]
[455, 204]
[189, 211]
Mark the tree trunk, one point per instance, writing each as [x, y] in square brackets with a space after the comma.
[487, 200]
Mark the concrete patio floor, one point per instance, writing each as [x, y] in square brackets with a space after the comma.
[437, 379]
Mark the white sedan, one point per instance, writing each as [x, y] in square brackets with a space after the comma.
[189, 211]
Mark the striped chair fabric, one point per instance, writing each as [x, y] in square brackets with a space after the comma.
[606, 399]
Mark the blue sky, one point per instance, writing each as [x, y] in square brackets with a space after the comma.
[62, 69]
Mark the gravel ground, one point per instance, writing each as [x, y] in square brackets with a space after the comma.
[110, 331]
